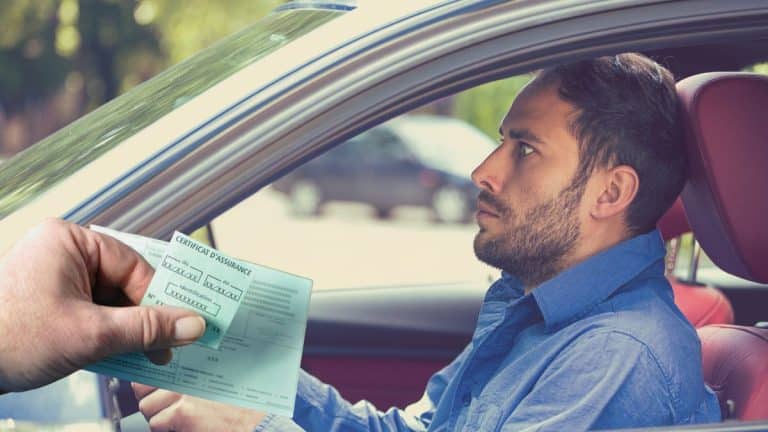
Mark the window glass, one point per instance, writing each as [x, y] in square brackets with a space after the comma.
[705, 271]
[61, 154]
[347, 223]
[683, 249]
[381, 145]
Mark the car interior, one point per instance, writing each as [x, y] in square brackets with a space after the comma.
[725, 132]
[381, 344]
[703, 304]
[728, 320]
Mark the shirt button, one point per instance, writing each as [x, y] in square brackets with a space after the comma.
[466, 399]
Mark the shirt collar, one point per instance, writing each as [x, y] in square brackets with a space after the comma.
[505, 289]
[576, 290]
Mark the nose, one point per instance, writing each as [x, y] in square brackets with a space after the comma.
[484, 177]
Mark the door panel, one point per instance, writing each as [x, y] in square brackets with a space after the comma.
[384, 381]
[383, 344]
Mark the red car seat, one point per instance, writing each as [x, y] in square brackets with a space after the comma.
[724, 199]
[701, 304]
[736, 369]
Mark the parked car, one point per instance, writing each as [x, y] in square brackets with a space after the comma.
[312, 76]
[425, 161]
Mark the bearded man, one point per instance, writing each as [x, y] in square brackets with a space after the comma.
[581, 331]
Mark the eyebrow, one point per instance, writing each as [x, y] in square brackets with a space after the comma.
[523, 134]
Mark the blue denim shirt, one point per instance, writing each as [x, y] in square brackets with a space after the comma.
[601, 345]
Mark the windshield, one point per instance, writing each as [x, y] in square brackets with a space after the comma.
[43, 165]
[451, 145]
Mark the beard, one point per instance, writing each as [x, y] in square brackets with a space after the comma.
[533, 248]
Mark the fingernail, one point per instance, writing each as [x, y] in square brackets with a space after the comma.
[188, 328]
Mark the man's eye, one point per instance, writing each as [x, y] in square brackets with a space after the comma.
[524, 149]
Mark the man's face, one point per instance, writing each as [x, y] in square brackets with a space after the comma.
[529, 204]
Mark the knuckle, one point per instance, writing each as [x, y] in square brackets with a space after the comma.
[48, 227]
[54, 226]
[180, 414]
[150, 327]
[102, 334]
[157, 424]
[182, 408]
[143, 406]
[52, 223]
[184, 411]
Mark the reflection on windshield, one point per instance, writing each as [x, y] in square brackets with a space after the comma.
[43, 165]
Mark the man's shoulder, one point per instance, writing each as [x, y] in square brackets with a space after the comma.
[646, 309]
[644, 317]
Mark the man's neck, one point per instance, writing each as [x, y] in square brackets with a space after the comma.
[588, 246]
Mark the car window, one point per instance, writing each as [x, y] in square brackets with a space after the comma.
[440, 141]
[693, 265]
[381, 145]
[348, 224]
[61, 154]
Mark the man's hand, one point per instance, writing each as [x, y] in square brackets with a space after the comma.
[67, 299]
[169, 411]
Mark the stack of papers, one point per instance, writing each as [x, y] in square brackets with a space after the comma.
[255, 317]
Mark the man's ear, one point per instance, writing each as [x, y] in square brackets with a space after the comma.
[620, 187]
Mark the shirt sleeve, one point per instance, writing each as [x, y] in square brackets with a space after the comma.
[607, 380]
[319, 407]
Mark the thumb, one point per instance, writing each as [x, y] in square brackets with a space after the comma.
[151, 328]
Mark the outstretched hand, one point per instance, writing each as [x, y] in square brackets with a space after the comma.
[170, 411]
[68, 298]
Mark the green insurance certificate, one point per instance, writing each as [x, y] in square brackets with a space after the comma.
[257, 316]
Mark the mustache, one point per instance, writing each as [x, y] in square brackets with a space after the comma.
[486, 198]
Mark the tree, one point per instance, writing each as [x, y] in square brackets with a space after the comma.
[486, 105]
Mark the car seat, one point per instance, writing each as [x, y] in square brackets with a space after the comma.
[701, 304]
[724, 199]
[735, 367]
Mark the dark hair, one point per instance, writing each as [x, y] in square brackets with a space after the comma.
[628, 114]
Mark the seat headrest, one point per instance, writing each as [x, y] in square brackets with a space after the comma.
[726, 122]
[674, 223]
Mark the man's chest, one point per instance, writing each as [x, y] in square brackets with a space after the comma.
[495, 376]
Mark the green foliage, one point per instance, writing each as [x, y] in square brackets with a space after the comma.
[761, 68]
[203, 235]
[486, 105]
[185, 30]
[30, 68]
[61, 154]
[113, 45]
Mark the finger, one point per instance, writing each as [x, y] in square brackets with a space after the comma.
[157, 401]
[142, 390]
[147, 328]
[165, 421]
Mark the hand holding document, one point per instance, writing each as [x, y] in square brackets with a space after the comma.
[255, 323]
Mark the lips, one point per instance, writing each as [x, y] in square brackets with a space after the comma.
[485, 210]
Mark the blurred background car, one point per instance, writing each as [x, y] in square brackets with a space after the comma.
[425, 160]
